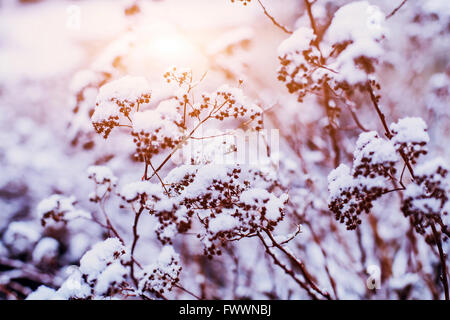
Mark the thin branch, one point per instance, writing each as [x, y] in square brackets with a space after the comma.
[396, 9]
[324, 253]
[300, 264]
[180, 144]
[311, 18]
[135, 240]
[313, 23]
[159, 177]
[30, 272]
[109, 224]
[442, 257]
[331, 128]
[274, 21]
[388, 133]
[285, 269]
[187, 291]
[355, 118]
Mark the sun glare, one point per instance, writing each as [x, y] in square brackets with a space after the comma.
[171, 46]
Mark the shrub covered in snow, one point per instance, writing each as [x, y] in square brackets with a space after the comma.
[301, 146]
[427, 201]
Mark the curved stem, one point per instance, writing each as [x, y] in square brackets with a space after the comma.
[135, 240]
[396, 9]
[300, 264]
[388, 132]
[274, 21]
[285, 269]
[442, 257]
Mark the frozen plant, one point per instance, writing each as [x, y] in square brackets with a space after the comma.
[118, 183]
[59, 209]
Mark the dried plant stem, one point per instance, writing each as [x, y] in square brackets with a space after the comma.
[325, 255]
[442, 257]
[396, 9]
[135, 240]
[300, 264]
[285, 269]
[388, 133]
[274, 21]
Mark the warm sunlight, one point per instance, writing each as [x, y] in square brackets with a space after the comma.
[234, 150]
[170, 46]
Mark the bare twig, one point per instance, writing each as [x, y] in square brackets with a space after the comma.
[355, 118]
[396, 9]
[311, 17]
[388, 133]
[135, 240]
[274, 21]
[28, 271]
[324, 253]
[109, 224]
[331, 128]
[442, 257]
[285, 269]
[187, 291]
[159, 177]
[300, 264]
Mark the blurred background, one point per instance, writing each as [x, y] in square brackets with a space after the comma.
[55, 54]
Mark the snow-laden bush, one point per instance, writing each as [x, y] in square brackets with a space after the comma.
[169, 183]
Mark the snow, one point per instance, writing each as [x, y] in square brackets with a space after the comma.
[424, 205]
[438, 94]
[223, 222]
[52, 203]
[204, 178]
[117, 49]
[83, 79]
[299, 41]
[101, 175]
[79, 245]
[352, 191]
[230, 39]
[21, 235]
[127, 90]
[38, 159]
[437, 7]
[102, 267]
[167, 255]
[219, 148]
[102, 254]
[241, 101]
[105, 111]
[339, 180]
[345, 63]
[275, 206]
[74, 287]
[46, 248]
[162, 274]
[161, 120]
[61, 204]
[369, 145]
[363, 32]
[261, 197]
[133, 190]
[430, 167]
[179, 172]
[42, 293]
[409, 129]
[112, 274]
[429, 195]
[357, 21]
